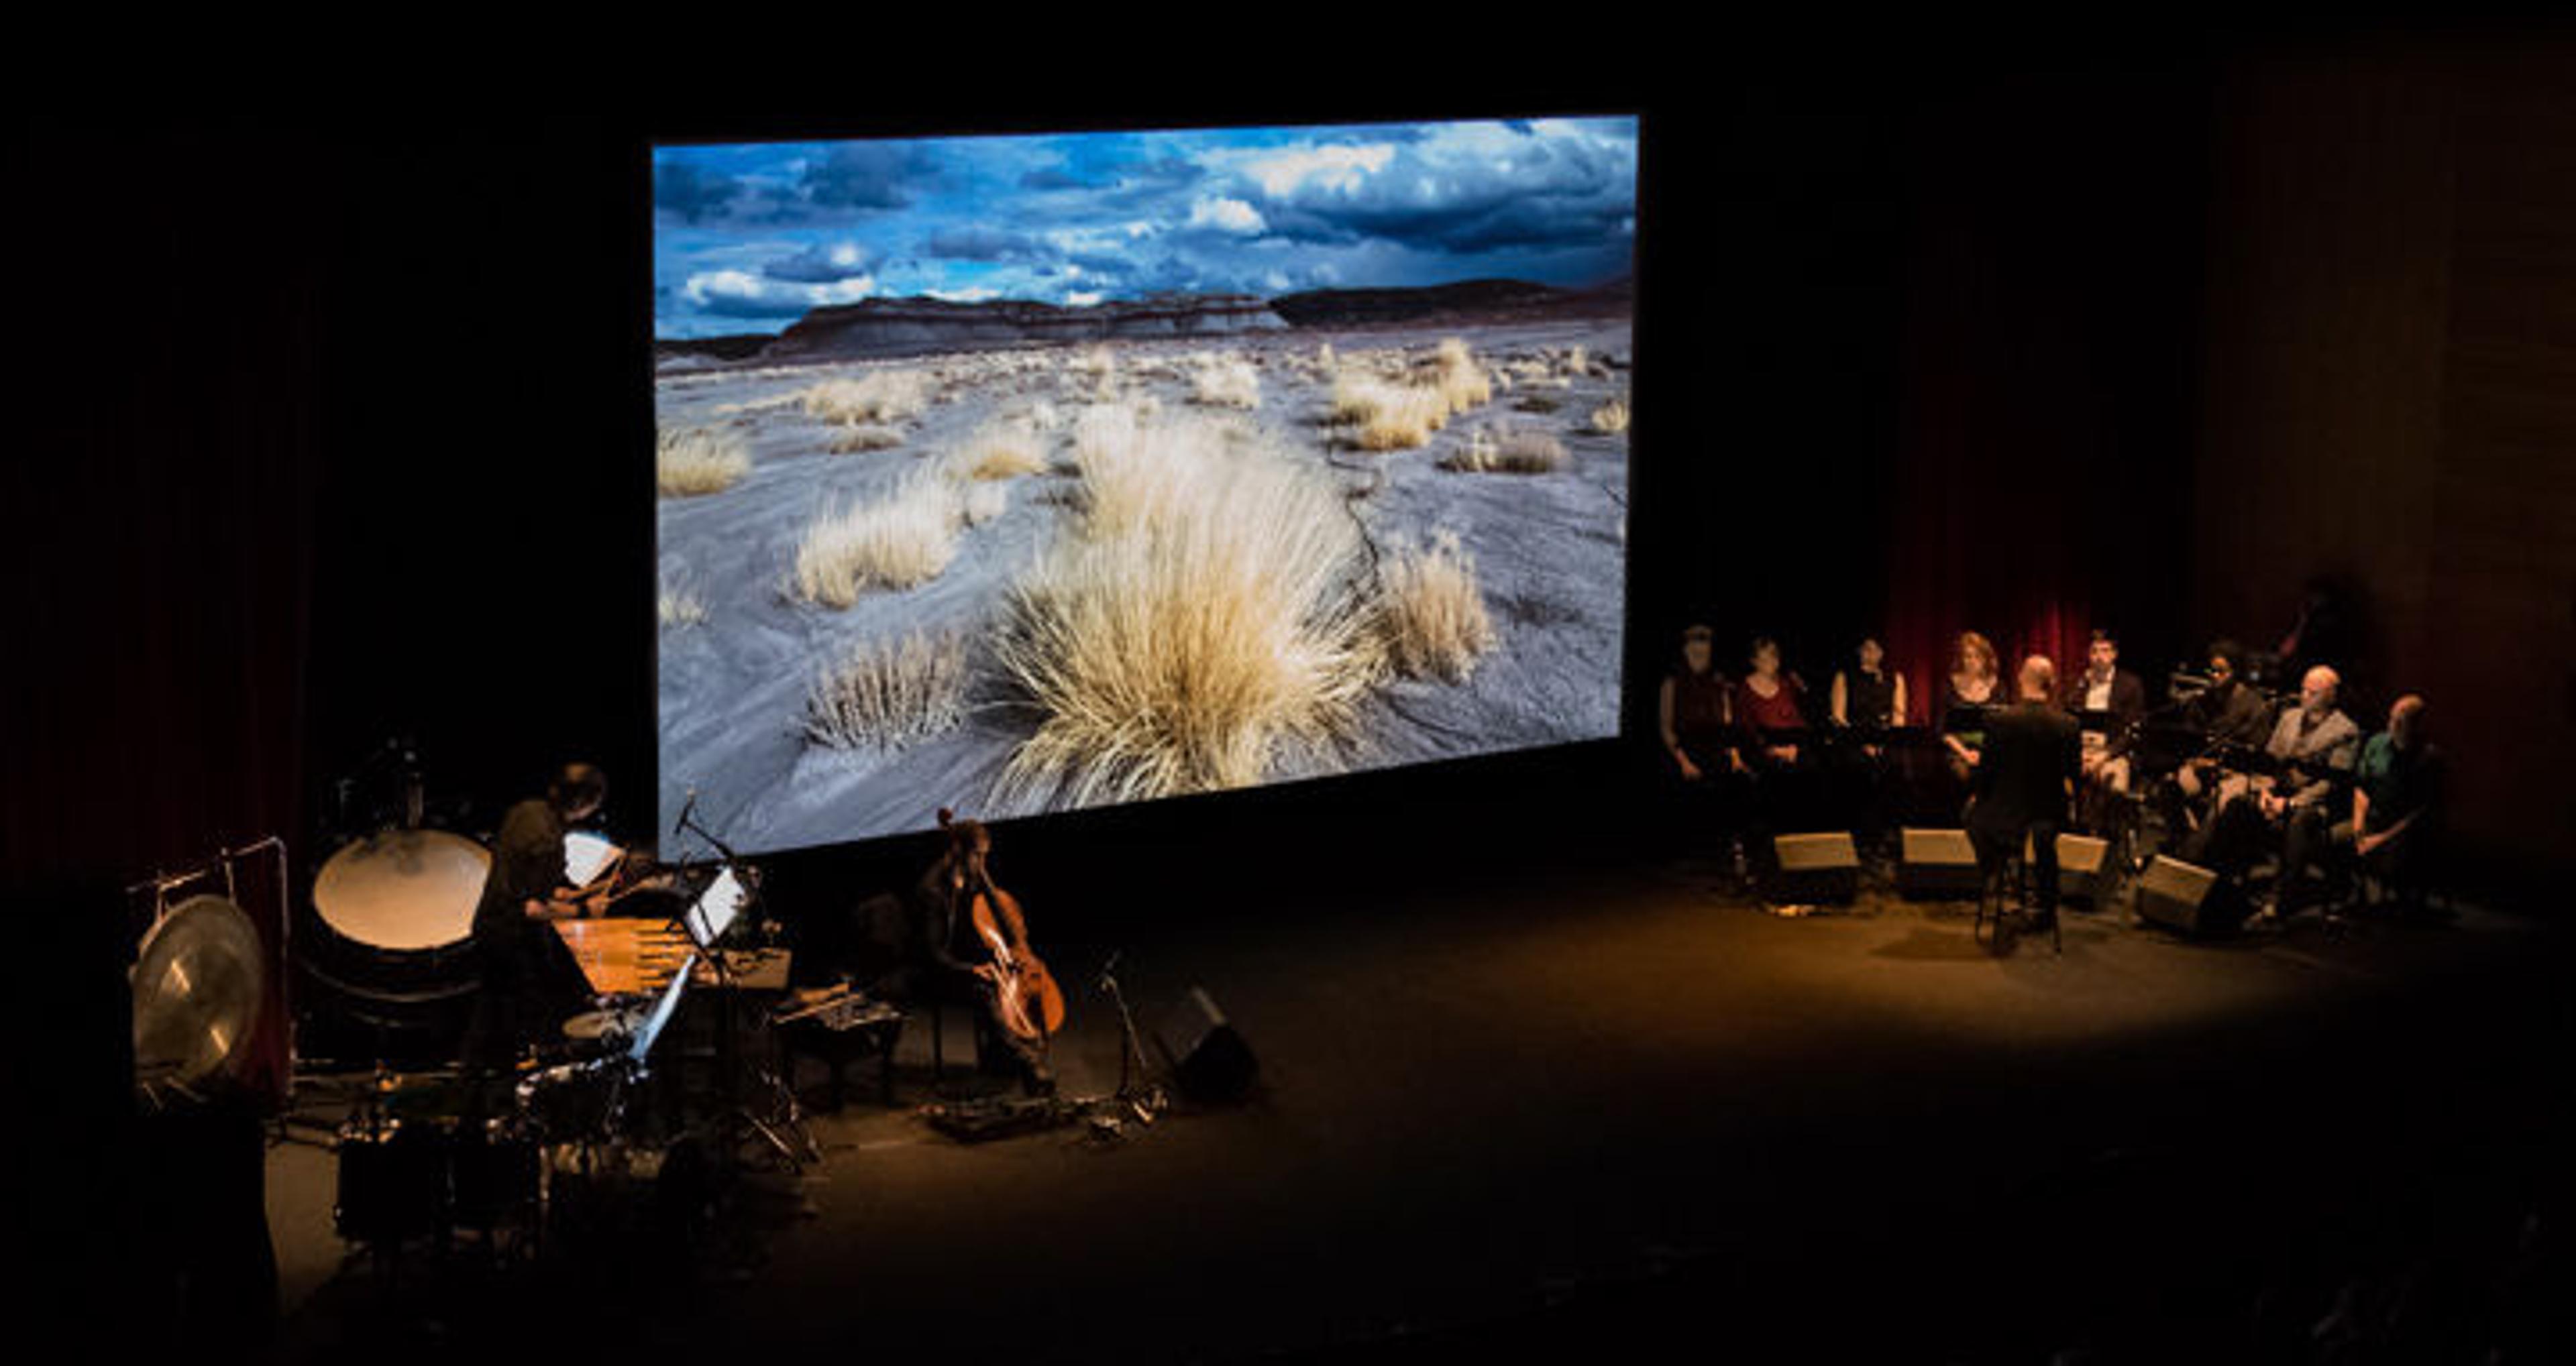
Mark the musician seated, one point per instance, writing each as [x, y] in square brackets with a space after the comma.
[2229, 712]
[2025, 776]
[1868, 698]
[2392, 820]
[2112, 695]
[1866, 702]
[1695, 715]
[1972, 685]
[1774, 749]
[2313, 746]
[956, 964]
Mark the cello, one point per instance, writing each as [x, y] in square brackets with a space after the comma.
[1026, 999]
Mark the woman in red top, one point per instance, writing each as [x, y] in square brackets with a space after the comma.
[1767, 705]
[1770, 707]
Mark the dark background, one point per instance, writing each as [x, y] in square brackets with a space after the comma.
[2028, 337]
[2138, 330]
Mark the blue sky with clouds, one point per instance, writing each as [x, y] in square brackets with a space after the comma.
[747, 238]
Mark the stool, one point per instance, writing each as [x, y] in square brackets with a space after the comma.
[2012, 879]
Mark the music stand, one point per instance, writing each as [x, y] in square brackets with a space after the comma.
[707, 920]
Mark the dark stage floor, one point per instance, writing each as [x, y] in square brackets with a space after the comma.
[1593, 1104]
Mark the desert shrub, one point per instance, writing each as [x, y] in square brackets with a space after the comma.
[1205, 613]
[688, 461]
[1431, 614]
[1226, 383]
[984, 501]
[904, 538]
[887, 694]
[865, 436]
[999, 450]
[1095, 365]
[1508, 451]
[678, 606]
[1611, 418]
[883, 396]
[1387, 417]
[1102, 429]
[1461, 381]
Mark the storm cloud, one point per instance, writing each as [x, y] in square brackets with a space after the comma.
[1077, 216]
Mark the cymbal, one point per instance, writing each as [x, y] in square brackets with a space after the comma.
[197, 989]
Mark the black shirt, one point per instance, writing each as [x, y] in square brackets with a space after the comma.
[1869, 699]
[527, 865]
[2236, 714]
[2032, 751]
[946, 934]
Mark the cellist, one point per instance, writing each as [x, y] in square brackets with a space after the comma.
[964, 963]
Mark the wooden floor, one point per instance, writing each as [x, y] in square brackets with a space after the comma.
[1588, 1102]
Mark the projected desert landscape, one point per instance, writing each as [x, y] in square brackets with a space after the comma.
[1016, 556]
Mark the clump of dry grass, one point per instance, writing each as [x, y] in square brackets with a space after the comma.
[1206, 613]
[677, 606]
[999, 450]
[985, 501]
[883, 396]
[866, 436]
[688, 461]
[1460, 380]
[1611, 418]
[1431, 614]
[1507, 451]
[887, 694]
[1102, 428]
[1226, 383]
[1391, 414]
[1387, 417]
[904, 538]
[1096, 365]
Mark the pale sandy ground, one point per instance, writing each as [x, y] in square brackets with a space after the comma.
[1550, 552]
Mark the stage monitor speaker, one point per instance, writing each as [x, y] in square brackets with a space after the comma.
[2180, 896]
[1820, 867]
[1937, 863]
[1209, 1061]
[2082, 866]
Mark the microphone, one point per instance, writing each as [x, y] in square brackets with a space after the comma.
[685, 808]
[1102, 981]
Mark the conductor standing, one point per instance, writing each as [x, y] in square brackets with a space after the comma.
[2034, 756]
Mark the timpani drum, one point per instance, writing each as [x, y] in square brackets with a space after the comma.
[389, 947]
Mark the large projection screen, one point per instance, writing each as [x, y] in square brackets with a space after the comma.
[1029, 473]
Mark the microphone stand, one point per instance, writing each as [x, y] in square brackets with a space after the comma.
[1135, 1088]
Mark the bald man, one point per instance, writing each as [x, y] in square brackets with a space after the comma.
[2396, 802]
[2025, 780]
[2315, 745]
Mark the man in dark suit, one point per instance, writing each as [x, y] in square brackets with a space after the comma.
[2106, 700]
[2023, 783]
